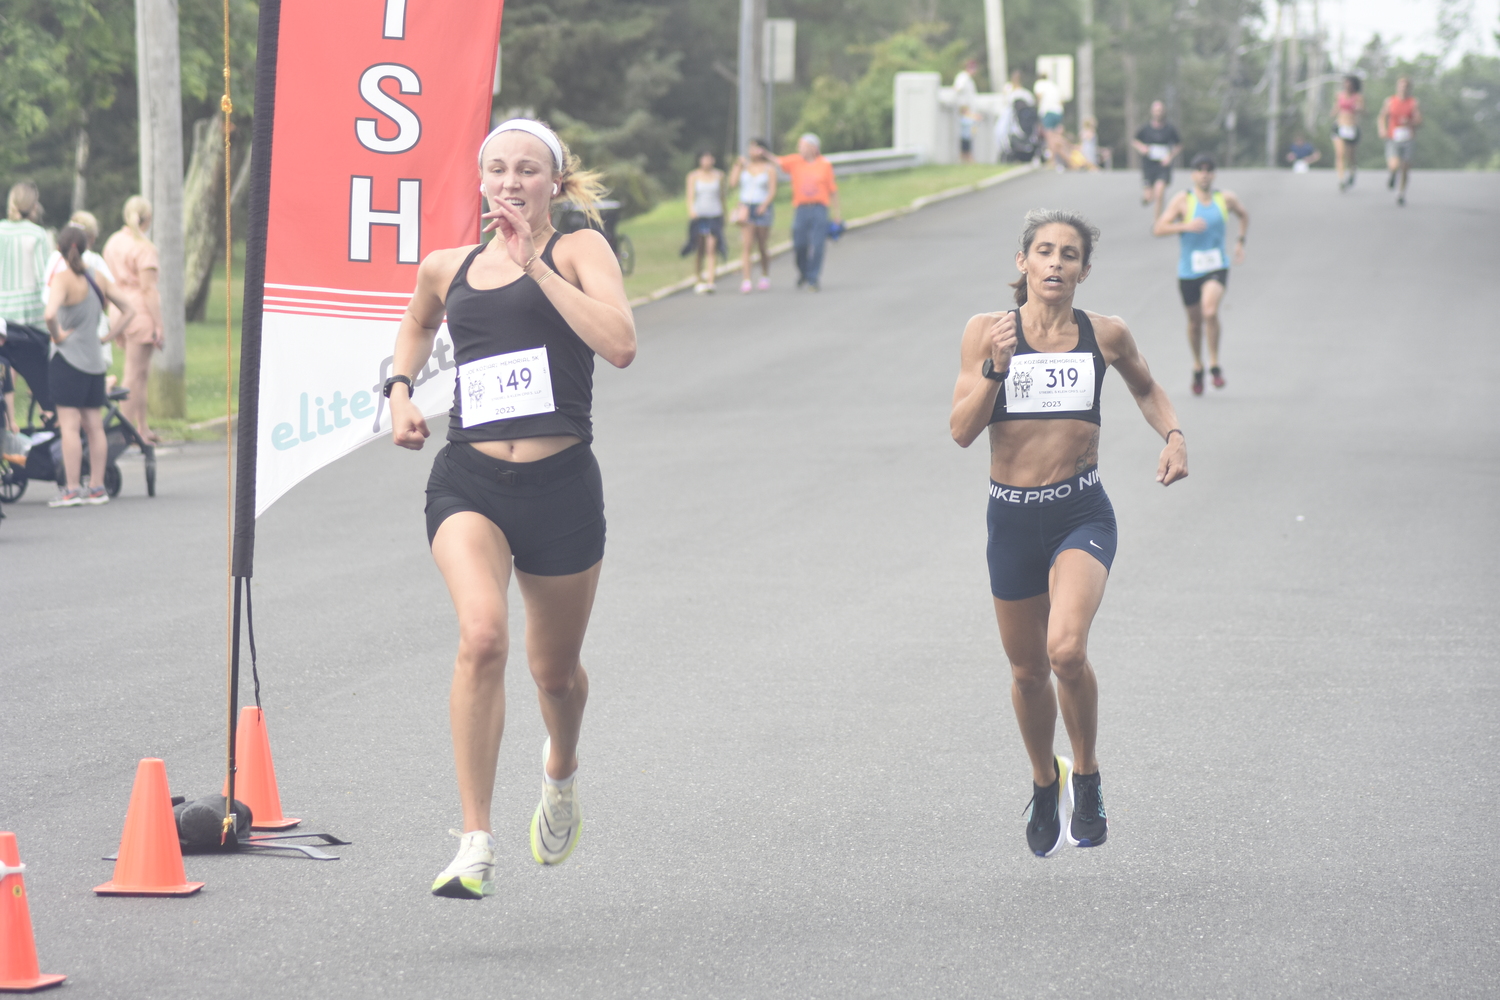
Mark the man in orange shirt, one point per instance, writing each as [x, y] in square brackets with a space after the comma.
[814, 194]
[1400, 117]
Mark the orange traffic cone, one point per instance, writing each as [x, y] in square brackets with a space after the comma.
[150, 859]
[255, 774]
[18, 969]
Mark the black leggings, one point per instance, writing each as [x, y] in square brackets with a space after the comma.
[550, 511]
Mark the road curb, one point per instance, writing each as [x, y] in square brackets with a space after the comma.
[917, 204]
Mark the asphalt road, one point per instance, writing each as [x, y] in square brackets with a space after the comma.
[801, 774]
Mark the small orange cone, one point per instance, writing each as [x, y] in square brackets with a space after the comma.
[150, 859]
[18, 969]
[255, 774]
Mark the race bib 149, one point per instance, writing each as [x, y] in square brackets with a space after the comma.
[505, 386]
[1042, 383]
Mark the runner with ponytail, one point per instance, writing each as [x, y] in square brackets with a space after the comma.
[1032, 376]
[517, 486]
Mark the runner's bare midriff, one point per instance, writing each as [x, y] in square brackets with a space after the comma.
[527, 449]
[1041, 452]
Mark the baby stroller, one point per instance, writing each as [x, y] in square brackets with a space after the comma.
[568, 218]
[1023, 139]
[44, 461]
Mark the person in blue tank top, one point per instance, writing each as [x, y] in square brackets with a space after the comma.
[1032, 377]
[517, 488]
[1199, 218]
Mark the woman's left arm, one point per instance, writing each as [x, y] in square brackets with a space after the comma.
[125, 312]
[1120, 350]
[589, 291]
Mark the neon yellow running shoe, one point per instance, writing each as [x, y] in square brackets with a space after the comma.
[471, 875]
[558, 821]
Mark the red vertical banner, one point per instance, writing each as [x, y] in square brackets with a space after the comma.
[380, 106]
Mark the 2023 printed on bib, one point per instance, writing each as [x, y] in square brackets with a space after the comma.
[1040, 383]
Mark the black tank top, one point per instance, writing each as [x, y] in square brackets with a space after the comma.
[484, 322]
[1087, 344]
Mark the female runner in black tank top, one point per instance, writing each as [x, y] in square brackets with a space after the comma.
[1051, 527]
[518, 491]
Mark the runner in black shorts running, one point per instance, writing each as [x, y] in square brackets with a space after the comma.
[517, 484]
[1033, 375]
[1158, 143]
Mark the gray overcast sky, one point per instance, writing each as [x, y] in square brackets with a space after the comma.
[1411, 23]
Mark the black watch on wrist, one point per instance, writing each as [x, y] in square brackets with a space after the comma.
[393, 380]
[987, 370]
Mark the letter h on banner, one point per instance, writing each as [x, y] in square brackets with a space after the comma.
[407, 219]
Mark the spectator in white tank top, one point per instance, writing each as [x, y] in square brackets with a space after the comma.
[705, 199]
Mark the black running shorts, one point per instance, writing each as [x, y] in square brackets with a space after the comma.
[551, 511]
[1152, 171]
[71, 387]
[1029, 526]
[1192, 288]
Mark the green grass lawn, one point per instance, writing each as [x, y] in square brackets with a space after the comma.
[660, 233]
[657, 235]
[205, 360]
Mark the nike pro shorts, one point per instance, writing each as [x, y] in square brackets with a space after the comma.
[1029, 526]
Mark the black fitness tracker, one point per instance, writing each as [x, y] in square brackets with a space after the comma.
[987, 370]
[398, 378]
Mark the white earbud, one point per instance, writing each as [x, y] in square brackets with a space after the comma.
[556, 190]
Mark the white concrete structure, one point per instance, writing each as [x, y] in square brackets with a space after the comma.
[926, 120]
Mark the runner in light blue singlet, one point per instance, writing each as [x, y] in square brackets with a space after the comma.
[1205, 252]
[1199, 218]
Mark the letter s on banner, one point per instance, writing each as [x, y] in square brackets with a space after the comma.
[355, 201]
[408, 125]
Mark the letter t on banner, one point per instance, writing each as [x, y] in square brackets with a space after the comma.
[371, 167]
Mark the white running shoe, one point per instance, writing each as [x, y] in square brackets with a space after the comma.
[558, 821]
[471, 875]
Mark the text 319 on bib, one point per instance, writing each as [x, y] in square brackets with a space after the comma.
[1043, 383]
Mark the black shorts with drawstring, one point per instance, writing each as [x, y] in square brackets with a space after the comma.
[551, 511]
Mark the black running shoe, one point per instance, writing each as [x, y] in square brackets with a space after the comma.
[1049, 811]
[1390, 182]
[1090, 827]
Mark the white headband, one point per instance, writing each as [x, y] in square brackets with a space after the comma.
[537, 129]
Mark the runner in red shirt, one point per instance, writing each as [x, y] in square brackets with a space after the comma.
[1400, 117]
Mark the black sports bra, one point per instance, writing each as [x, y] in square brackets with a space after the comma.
[484, 322]
[1087, 345]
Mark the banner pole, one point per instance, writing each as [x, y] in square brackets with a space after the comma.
[247, 428]
[242, 558]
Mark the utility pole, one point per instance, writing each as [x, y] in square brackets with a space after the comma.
[159, 82]
[143, 102]
[1086, 65]
[994, 39]
[1312, 110]
[1273, 89]
[751, 97]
